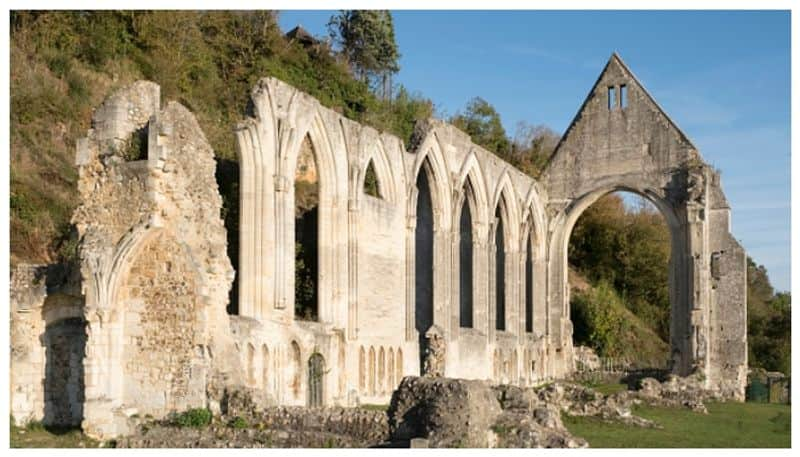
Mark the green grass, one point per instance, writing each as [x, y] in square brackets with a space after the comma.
[728, 425]
[374, 407]
[607, 388]
[35, 435]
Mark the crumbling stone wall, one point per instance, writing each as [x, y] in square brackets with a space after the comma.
[163, 326]
[46, 351]
[28, 292]
[153, 263]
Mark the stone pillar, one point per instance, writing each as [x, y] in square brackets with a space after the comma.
[352, 268]
[435, 353]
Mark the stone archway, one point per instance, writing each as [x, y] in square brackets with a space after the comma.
[635, 146]
[678, 281]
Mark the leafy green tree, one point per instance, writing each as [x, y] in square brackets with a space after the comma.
[481, 121]
[366, 38]
[401, 113]
[768, 322]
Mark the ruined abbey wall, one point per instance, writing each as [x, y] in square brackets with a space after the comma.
[454, 265]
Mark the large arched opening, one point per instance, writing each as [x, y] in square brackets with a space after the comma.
[500, 268]
[466, 297]
[423, 252]
[622, 253]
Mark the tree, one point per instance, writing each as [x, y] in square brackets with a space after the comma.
[482, 122]
[366, 38]
[532, 147]
[768, 322]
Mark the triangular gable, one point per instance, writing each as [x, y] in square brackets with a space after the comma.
[615, 63]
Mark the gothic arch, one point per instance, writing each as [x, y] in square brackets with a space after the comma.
[472, 174]
[330, 186]
[533, 217]
[506, 193]
[533, 271]
[434, 167]
[503, 264]
[387, 182]
[429, 160]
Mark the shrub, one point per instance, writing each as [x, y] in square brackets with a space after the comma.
[598, 320]
[196, 417]
[238, 422]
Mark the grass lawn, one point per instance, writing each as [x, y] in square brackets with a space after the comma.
[727, 425]
[37, 436]
[607, 388]
[371, 407]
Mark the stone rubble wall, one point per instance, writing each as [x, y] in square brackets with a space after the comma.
[28, 293]
[41, 298]
[154, 269]
[449, 412]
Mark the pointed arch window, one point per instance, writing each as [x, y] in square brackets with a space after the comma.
[500, 271]
[465, 260]
[306, 231]
[372, 186]
[529, 282]
[423, 253]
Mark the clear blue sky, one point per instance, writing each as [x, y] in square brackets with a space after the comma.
[724, 77]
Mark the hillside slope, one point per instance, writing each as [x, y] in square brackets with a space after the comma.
[63, 64]
[603, 322]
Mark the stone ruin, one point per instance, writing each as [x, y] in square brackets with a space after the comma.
[337, 288]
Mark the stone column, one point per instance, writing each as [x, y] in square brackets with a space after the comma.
[352, 270]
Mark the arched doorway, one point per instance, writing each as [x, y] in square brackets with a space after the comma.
[316, 380]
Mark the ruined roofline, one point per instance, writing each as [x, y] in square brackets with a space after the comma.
[423, 128]
[615, 57]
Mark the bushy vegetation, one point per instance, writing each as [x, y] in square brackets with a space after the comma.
[64, 63]
[196, 417]
[769, 322]
[628, 248]
[601, 321]
[239, 422]
[529, 149]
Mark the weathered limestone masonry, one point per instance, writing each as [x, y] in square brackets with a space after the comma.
[622, 140]
[155, 274]
[457, 266]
